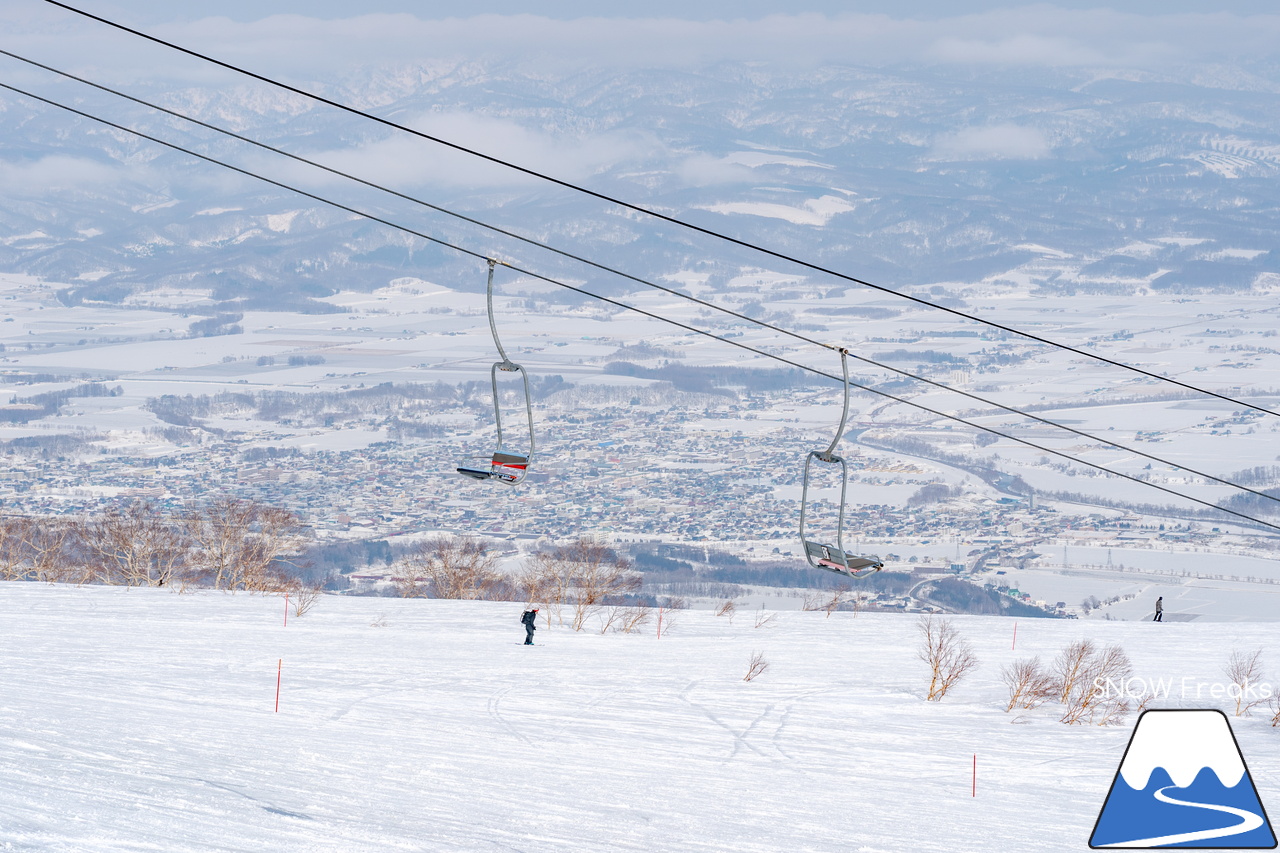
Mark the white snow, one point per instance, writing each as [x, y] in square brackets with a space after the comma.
[815, 211]
[144, 720]
[1183, 744]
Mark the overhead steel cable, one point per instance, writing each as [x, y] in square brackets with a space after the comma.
[618, 303]
[782, 256]
[625, 275]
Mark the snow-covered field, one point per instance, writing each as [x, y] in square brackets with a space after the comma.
[136, 720]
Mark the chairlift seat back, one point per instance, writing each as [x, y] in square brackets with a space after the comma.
[832, 558]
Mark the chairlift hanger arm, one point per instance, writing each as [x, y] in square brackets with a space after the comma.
[493, 325]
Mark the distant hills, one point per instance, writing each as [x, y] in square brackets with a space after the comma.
[912, 175]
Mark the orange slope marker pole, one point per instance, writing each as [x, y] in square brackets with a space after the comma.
[279, 668]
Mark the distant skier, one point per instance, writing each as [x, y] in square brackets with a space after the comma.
[1159, 609]
[529, 620]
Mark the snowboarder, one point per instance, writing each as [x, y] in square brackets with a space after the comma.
[1159, 609]
[528, 619]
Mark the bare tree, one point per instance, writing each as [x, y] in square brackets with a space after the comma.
[1245, 672]
[238, 543]
[756, 666]
[949, 656]
[763, 618]
[543, 578]
[1091, 700]
[15, 553]
[728, 608]
[1071, 666]
[582, 574]
[455, 566]
[136, 546]
[52, 546]
[408, 583]
[1030, 685]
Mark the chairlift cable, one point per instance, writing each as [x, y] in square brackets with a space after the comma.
[661, 216]
[702, 302]
[480, 256]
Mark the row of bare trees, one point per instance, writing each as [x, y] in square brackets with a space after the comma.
[1081, 679]
[1090, 683]
[572, 582]
[226, 544]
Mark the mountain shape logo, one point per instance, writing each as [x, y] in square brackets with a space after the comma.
[1183, 783]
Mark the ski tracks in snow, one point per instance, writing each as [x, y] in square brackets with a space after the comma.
[494, 705]
[742, 737]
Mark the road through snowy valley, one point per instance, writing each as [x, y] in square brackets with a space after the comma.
[135, 719]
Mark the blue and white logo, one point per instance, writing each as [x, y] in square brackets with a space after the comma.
[1183, 783]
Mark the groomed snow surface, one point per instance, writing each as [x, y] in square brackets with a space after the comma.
[135, 720]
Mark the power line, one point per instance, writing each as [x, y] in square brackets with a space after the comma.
[660, 216]
[637, 279]
[625, 306]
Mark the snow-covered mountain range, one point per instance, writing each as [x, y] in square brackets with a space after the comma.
[909, 174]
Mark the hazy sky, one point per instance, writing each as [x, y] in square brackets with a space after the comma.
[1169, 35]
[246, 10]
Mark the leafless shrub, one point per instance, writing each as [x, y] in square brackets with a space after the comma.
[1245, 673]
[756, 666]
[763, 618]
[727, 608]
[828, 601]
[635, 618]
[1030, 685]
[1274, 708]
[665, 622]
[609, 617]
[949, 656]
[379, 621]
[1092, 697]
[623, 619]
[304, 597]
[454, 567]
[136, 545]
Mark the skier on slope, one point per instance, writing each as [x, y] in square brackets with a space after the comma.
[1159, 609]
[528, 620]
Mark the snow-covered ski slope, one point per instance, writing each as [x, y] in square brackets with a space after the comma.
[135, 720]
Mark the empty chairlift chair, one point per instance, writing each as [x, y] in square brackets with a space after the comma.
[823, 555]
[504, 466]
